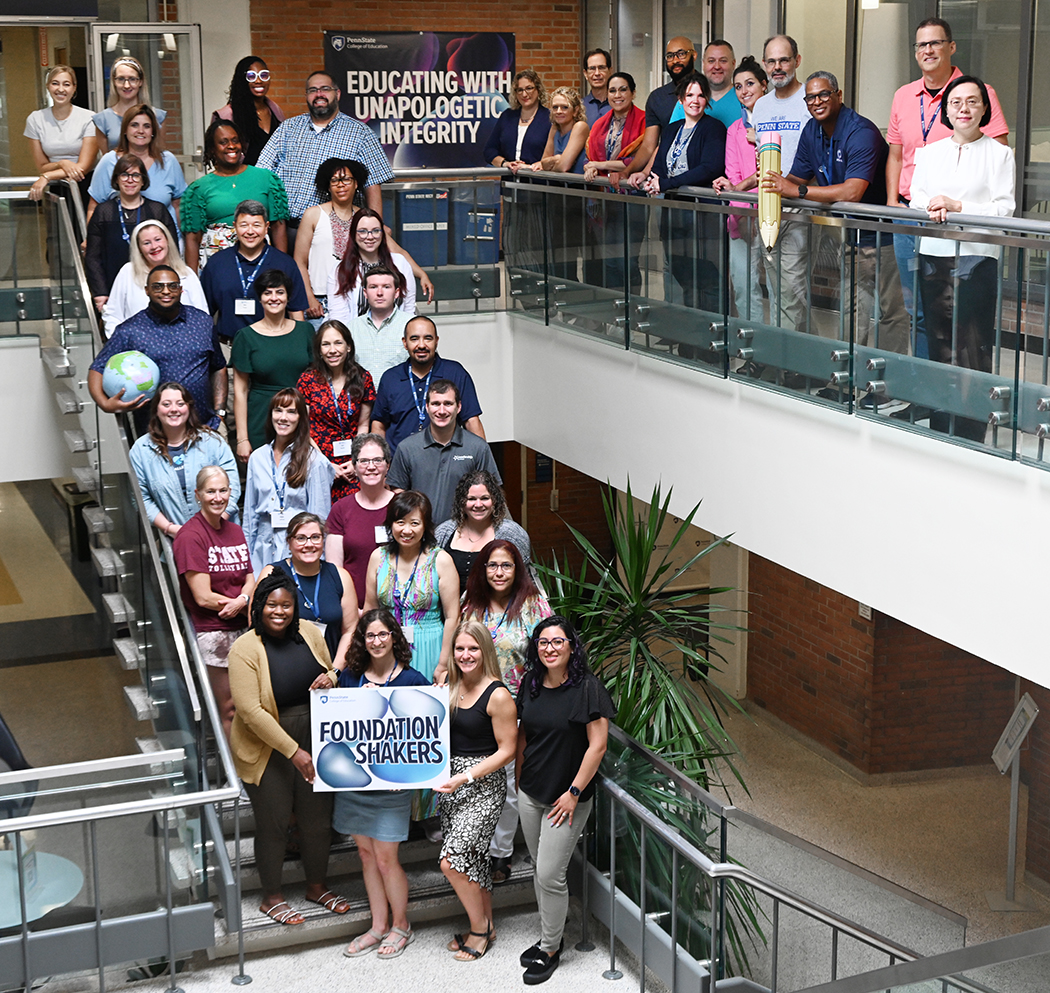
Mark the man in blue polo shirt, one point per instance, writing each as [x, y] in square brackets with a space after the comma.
[401, 400]
[229, 276]
[180, 339]
[844, 154]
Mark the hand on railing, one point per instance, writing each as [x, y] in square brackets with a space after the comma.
[941, 206]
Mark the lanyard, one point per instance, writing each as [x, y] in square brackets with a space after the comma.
[124, 232]
[335, 403]
[681, 141]
[246, 281]
[401, 592]
[311, 606]
[273, 472]
[495, 631]
[613, 136]
[421, 408]
[829, 168]
[922, 113]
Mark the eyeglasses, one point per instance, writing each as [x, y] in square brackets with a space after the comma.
[342, 181]
[920, 45]
[263, 76]
[525, 89]
[314, 90]
[369, 232]
[596, 69]
[556, 643]
[499, 566]
[126, 80]
[162, 287]
[378, 461]
[308, 539]
[819, 97]
[786, 61]
[131, 175]
[680, 56]
[377, 636]
[971, 103]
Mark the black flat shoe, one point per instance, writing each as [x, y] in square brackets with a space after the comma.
[500, 871]
[541, 970]
[533, 954]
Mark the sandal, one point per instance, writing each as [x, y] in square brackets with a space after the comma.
[356, 948]
[500, 870]
[458, 940]
[396, 940]
[468, 954]
[332, 902]
[283, 916]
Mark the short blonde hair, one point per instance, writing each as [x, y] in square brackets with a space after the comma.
[533, 77]
[578, 113]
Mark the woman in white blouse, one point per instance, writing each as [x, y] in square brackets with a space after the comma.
[966, 173]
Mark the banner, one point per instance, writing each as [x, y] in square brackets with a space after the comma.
[432, 98]
[380, 739]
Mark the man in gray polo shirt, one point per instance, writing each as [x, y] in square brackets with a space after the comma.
[435, 459]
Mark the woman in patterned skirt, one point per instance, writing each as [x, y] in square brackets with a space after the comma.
[482, 741]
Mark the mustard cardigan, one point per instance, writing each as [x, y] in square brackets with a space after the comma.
[256, 730]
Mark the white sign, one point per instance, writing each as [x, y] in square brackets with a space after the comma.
[380, 739]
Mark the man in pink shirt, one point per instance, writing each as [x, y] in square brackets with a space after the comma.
[915, 121]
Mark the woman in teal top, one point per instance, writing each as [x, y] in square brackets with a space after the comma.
[267, 357]
[209, 202]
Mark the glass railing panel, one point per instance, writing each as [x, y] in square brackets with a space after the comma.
[70, 303]
[1026, 327]
[1026, 975]
[25, 300]
[526, 245]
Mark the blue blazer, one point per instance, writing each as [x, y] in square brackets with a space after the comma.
[705, 154]
[503, 139]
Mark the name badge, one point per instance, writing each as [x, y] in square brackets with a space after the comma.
[281, 518]
[410, 634]
[381, 536]
[342, 446]
[244, 306]
[320, 625]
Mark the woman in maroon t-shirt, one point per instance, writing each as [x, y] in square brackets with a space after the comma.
[216, 581]
[357, 523]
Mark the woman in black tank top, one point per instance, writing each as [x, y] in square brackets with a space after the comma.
[483, 738]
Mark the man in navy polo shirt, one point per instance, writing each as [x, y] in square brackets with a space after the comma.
[844, 154]
[228, 277]
[401, 407]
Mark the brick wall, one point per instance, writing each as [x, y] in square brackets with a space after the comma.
[287, 34]
[880, 694]
[1036, 764]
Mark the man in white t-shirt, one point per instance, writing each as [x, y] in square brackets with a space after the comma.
[784, 110]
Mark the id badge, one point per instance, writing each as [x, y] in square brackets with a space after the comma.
[281, 518]
[410, 633]
[321, 626]
[381, 536]
[244, 307]
[342, 446]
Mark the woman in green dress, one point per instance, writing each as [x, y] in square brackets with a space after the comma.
[208, 204]
[268, 356]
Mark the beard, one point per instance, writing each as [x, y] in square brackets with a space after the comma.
[676, 70]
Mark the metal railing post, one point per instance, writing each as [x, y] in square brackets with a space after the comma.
[612, 972]
[585, 944]
[242, 978]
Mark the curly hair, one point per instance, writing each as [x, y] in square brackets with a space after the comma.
[327, 169]
[194, 428]
[534, 668]
[277, 580]
[573, 96]
[478, 477]
[533, 77]
[478, 594]
[208, 155]
[357, 658]
[489, 661]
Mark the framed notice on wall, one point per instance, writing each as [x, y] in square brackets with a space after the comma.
[432, 97]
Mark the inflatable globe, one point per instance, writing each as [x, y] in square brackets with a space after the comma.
[134, 372]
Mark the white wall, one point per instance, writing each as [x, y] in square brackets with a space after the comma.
[225, 39]
[945, 539]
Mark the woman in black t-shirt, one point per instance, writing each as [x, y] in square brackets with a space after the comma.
[564, 712]
[483, 735]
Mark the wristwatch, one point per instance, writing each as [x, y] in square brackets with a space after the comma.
[803, 189]
[222, 414]
[575, 791]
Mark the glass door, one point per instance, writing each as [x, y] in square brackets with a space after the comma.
[171, 56]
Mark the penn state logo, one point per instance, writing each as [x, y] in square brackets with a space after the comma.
[338, 42]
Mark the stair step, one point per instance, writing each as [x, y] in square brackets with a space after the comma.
[107, 562]
[118, 608]
[68, 402]
[140, 704]
[97, 520]
[58, 362]
[86, 477]
[78, 441]
[128, 653]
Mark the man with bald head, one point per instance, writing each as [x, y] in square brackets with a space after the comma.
[679, 60]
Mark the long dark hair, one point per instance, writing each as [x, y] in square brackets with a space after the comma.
[534, 670]
[242, 102]
[300, 443]
[478, 477]
[277, 580]
[355, 373]
[357, 657]
[194, 428]
[350, 266]
[397, 508]
[479, 594]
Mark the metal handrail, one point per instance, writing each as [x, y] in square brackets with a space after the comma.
[725, 870]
